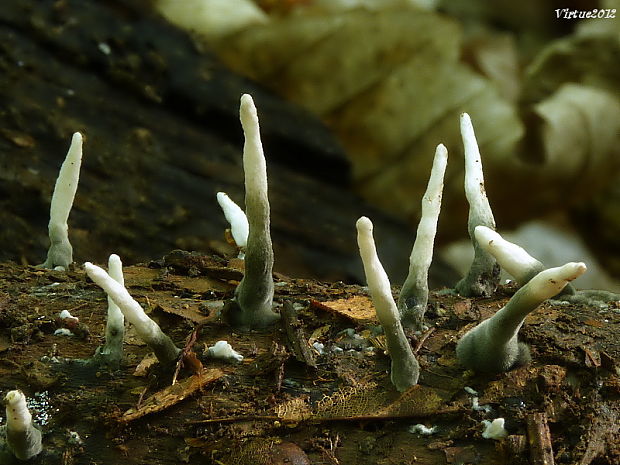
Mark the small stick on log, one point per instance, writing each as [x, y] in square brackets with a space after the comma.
[295, 334]
[539, 439]
[423, 339]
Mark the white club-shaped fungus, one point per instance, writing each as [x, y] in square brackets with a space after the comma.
[252, 305]
[60, 253]
[149, 331]
[483, 276]
[405, 369]
[414, 293]
[23, 439]
[492, 346]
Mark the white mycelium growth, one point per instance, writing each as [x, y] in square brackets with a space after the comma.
[492, 346]
[405, 368]
[60, 253]
[251, 307]
[23, 439]
[483, 276]
[239, 227]
[149, 331]
[112, 351]
[414, 293]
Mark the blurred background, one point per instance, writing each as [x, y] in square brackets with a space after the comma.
[353, 96]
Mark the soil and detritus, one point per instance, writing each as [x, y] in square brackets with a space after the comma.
[314, 389]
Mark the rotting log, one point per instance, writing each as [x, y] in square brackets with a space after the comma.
[162, 136]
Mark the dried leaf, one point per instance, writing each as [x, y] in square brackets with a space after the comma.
[578, 130]
[173, 394]
[187, 311]
[357, 308]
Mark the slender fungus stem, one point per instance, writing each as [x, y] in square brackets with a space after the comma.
[251, 307]
[149, 331]
[414, 293]
[112, 351]
[492, 346]
[60, 253]
[405, 368]
[483, 276]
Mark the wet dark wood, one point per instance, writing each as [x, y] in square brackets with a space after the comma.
[162, 136]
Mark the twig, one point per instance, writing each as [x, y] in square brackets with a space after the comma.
[187, 355]
[423, 339]
[539, 439]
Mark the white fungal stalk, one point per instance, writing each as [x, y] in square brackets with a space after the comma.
[60, 253]
[112, 351]
[483, 276]
[492, 346]
[414, 293]
[239, 227]
[405, 368]
[512, 258]
[23, 439]
[149, 331]
[251, 307]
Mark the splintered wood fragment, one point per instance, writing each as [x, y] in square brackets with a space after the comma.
[539, 439]
[188, 358]
[603, 433]
[296, 336]
[592, 358]
[173, 394]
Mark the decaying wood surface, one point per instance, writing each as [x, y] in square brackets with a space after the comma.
[562, 408]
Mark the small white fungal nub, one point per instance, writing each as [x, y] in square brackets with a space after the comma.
[18, 416]
[423, 429]
[65, 314]
[223, 350]
[512, 258]
[23, 439]
[239, 226]
[494, 429]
